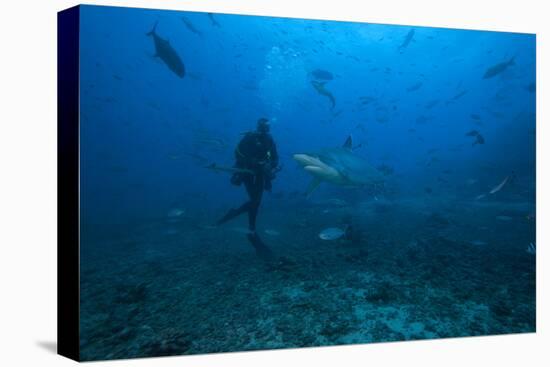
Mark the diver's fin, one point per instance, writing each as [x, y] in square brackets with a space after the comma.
[348, 143]
[313, 185]
[262, 250]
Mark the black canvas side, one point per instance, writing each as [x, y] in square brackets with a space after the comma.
[68, 183]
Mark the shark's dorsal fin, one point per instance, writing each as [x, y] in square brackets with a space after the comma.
[348, 143]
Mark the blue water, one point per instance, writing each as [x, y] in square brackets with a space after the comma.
[435, 255]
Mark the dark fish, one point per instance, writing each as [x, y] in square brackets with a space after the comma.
[213, 20]
[432, 104]
[191, 26]
[322, 74]
[457, 96]
[532, 87]
[320, 88]
[385, 169]
[166, 53]
[407, 40]
[498, 68]
[479, 139]
[422, 119]
[366, 100]
[415, 86]
[475, 117]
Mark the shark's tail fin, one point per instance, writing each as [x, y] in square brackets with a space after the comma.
[152, 31]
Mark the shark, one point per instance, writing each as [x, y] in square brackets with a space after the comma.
[338, 166]
[167, 53]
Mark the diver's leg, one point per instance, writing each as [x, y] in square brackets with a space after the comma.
[256, 192]
[232, 213]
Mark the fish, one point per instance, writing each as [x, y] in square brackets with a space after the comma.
[504, 218]
[338, 166]
[478, 243]
[457, 96]
[498, 68]
[479, 138]
[331, 234]
[322, 74]
[196, 157]
[214, 22]
[531, 87]
[422, 119]
[241, 230]
[431, 104]
[408, 39]
[474, 116]
[335, 202]
[499, 187]
[320, 88]
[176, 212]
[415, 86]
[217, 168]
[272, 232]
[214, 142]
[191, 26]
[532, 249]
[385, 169]
[166, 53]
[366, 100]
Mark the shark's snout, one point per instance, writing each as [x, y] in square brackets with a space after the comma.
[303, 159]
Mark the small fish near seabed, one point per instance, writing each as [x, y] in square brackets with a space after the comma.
[478, 243]
[165, 52]
[272, 232]
[532, 249]
[331, 234]
[320, 88]
[176, 212]
[498, 68]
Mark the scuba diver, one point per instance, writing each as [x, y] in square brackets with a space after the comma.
[256, 164]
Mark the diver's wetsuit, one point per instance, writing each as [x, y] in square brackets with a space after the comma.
[256, 152]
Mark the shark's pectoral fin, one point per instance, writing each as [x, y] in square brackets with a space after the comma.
[313, 185]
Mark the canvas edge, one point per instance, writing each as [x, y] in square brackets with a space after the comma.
[68, 241]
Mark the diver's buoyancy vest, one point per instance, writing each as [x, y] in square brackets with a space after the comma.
[254, 146]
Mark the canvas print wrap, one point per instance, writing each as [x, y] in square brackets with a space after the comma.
[254, 182]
